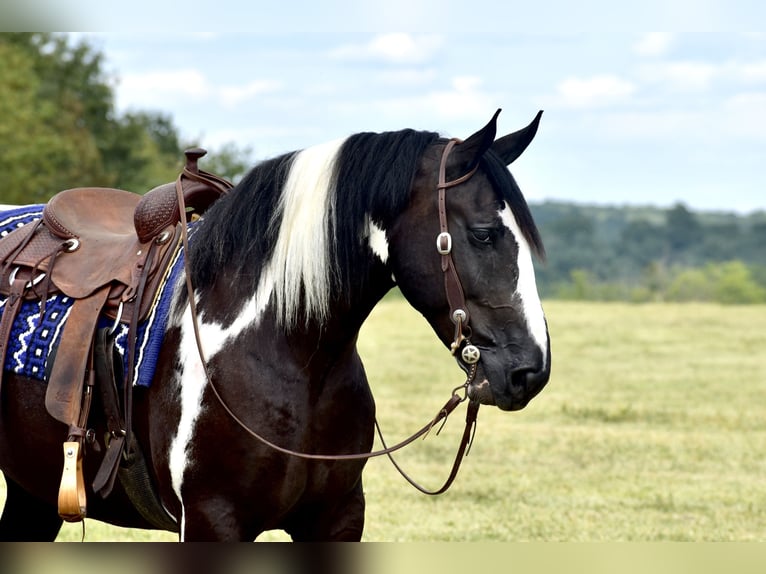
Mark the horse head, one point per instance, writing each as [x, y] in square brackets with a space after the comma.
[469, 269]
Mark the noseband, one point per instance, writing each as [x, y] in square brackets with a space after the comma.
[458, 314]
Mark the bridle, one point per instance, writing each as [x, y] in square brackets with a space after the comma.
[458, 311]
[458, 315]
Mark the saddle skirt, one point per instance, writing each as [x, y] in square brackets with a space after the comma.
[33, 338]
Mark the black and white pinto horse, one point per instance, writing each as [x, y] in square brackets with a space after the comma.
[285, 269]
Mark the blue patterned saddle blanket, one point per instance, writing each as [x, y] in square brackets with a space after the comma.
[33, 337]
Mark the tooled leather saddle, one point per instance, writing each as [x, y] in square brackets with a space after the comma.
[108, 250]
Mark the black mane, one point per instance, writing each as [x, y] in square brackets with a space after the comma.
[238, 231]
[371, 181]
[372, 178]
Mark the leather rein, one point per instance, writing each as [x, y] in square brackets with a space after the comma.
[458, 315]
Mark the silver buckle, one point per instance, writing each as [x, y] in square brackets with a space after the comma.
[444, 235]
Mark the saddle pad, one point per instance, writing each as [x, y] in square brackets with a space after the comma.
[33, 337]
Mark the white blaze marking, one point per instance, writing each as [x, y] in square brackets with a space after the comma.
[526, 287]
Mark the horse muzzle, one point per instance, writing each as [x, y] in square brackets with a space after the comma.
[508, 385]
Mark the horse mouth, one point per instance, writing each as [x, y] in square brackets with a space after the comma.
[513, 395]
[481, 392]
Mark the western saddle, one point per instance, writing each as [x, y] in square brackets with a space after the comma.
[107, 250]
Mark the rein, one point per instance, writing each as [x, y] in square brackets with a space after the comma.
[458, 314]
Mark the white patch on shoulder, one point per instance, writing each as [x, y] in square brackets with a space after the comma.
[378, 241]
[526, 287]
[191, 379]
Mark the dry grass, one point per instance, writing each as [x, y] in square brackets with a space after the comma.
[653, 427]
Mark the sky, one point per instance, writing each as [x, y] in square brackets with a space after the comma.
[633, 118]
[630, 118]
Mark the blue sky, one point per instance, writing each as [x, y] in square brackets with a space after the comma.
[630, 117]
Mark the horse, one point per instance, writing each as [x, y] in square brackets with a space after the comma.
[284, 270]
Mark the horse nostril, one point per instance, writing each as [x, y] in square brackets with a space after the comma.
[532, 379]
[537, 379]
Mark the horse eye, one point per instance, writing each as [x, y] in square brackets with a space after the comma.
[482, 235]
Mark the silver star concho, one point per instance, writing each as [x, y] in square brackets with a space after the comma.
[470, 354]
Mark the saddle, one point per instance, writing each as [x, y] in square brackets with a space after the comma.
[108, 250]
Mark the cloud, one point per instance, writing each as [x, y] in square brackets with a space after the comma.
[696, 76]
[170, 88]
[751, 72]
[464, 99]
[153, 88]
[681, 76]
[407, 77]
[653, 44]
[743, 115]
[596, 91]
[394, 48]
[659, 126]
[231, 96]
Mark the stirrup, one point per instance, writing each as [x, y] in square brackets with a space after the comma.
[72, 504]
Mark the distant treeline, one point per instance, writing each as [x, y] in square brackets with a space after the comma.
[651, 254]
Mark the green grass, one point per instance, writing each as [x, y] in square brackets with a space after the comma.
[653, 427]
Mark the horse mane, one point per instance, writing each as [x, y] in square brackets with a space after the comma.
[297, 226]
[299, 223]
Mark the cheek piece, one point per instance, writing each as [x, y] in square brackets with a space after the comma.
[459, 316]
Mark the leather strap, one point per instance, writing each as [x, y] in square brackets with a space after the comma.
[10, 311]
[64, 393]
[470, 428]
[104, 358]
[72, 500]
[107, 472]
[452, 285]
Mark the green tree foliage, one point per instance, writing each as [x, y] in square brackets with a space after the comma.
[59, 127]
[42, 146]
[683, 234]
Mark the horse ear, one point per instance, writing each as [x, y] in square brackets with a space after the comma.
[513, 145]
[476, 145]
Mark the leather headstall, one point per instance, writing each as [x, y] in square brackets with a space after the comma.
[458, 311]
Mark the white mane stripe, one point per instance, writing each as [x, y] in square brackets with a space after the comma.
[301, 263]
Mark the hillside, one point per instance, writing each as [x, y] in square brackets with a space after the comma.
[629, 252]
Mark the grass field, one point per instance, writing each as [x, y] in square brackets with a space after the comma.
[653, 427]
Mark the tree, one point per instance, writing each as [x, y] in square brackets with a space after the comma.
[59, 128]
[734, 283]
[42, 147]
[683, 233]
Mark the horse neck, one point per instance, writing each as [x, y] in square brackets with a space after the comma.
[336, 335]
[312, 342]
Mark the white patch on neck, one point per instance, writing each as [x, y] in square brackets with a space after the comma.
[526, 287]
[301, 263]
[378, 241]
